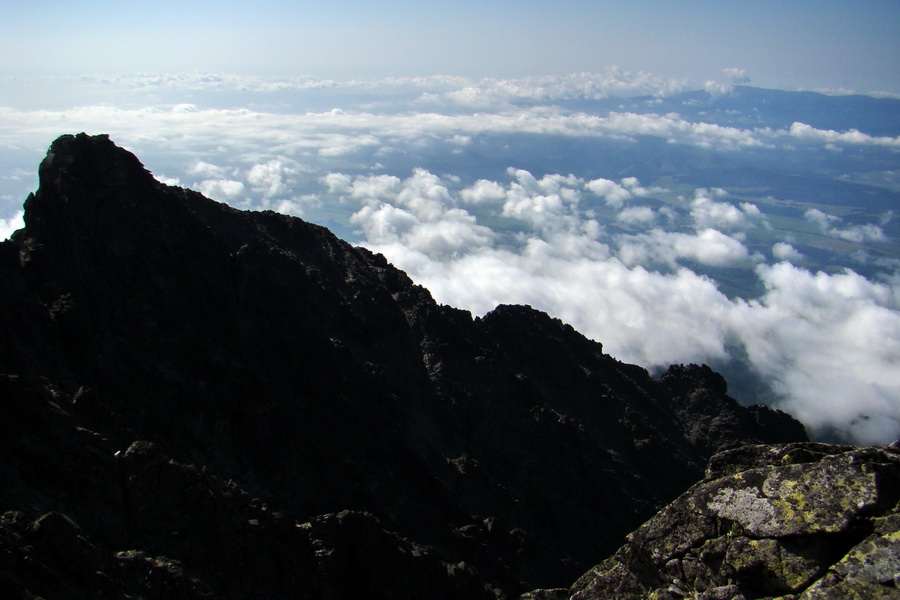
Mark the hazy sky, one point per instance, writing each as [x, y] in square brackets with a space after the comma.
[796, 44]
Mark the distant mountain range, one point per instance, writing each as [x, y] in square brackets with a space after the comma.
[205, 402]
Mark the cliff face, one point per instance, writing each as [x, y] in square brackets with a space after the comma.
[240, 404]
[793, 522]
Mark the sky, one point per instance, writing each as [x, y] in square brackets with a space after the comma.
[802, 43]
[532, 153]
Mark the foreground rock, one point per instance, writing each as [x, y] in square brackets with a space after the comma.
[793, 522]
[186, 386]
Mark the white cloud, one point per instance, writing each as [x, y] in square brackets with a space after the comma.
[296, 206]
[502, 93]
[807, 133]
[376, 187]
[832, 345]
[637, 215]
[733, 76]
[338, 183]
[175, 181]
[831, 226]
[828, 344]
[612, 193]
[268, 179]
[784, 251]
[221, 189]
[209, 170]
[707, 212]
[425, 195]
[483, 191]
[634, 186]
[8, 226]
[416, 213]
[384, 224]
[665, 248]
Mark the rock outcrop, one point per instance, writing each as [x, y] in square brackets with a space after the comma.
[788, 522]
[205, 402]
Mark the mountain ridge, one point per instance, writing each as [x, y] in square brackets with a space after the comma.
[260, 361]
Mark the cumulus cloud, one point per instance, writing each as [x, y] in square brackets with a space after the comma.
[665, 248]
[832, 226]
[828, 344]
[546, 203]
[417, 213]
[707, 212]
[268, 179]
[831, 343]
[483, 191]
[612, 193]
[786, 252]
[637, 215]
[8, 226]
[297, 206]
[221, 189]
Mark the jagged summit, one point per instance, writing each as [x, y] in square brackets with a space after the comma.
[182, 377]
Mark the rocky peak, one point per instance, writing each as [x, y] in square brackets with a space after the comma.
[257, 360]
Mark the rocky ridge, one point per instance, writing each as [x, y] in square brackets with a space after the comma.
[786, 522]
[207, 402]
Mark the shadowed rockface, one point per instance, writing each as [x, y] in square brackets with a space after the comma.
[206, 402]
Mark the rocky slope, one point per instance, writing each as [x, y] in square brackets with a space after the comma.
[792, 522]
[206, 402]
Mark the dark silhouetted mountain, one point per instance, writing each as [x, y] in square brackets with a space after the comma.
[793, 522]
[205, 402]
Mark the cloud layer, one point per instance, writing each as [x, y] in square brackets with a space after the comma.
[819, 339]
[438, 173]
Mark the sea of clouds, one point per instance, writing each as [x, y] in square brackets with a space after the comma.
[603, 253]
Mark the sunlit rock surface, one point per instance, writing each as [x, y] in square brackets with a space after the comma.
[793, 522]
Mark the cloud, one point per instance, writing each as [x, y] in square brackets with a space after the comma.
[831, 343]
[8, 226]
[612, 193]
[806, 133]
[221, 189]
[785, 252]
[208, 170]
[590, 250]
[706, 212]
[858, 234]
[296, 206]
[637, 215]
[546, 203]
[666, 248]
[827, 344]
[338, 183]
[501, 93]
[733, 76]
[483, 191]
[417, 213]
[268, 178]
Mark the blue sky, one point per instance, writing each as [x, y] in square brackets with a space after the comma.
[801, 44]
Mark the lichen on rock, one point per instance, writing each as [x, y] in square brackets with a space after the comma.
[787, 522]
